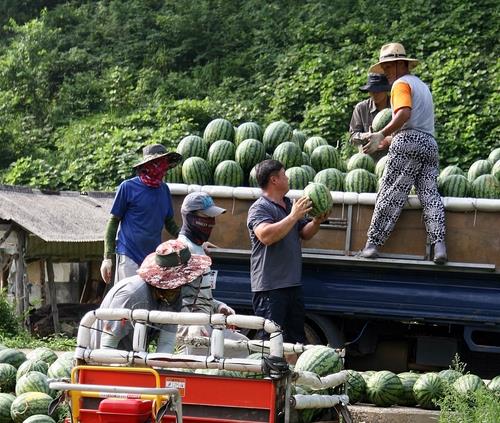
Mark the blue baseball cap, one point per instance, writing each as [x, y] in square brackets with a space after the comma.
[201, 201]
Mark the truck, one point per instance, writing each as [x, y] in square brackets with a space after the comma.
[398, 312]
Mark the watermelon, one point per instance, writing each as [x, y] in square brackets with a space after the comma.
[449, 376]
[467, 384]
[218, 129]
[249, 153]
[360, 180]
[39, 418]
[320, 359]
[12, 356]
[361, 161]
[196, 170]
[428, 389]
[288, 154]
[29, 404]
[495, 171]
[219, 151]
[7, 377]
[275, 134]
[494, 156]
[254, 375]
[6, 401]
[299, 138]
[32, 382]
[44, 353]
[380, 166]
[306, 160]
[305, 415]
[454, 186]
[408, 380]
[325, 157]
[311, 173]
[384, 389]
[494, 384]
[485, 186]
[32, 365]
[247, 130]
[321, 198]
[298, 178]
[451, 170]
[174, 175]
[252, 180]
[61, 368]
[332, 178]
[229, 173]
[356, 386]
[478, 168]
[192, 146]
[381, 119]
[312, 143]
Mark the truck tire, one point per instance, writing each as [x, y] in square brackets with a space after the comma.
[321, 330]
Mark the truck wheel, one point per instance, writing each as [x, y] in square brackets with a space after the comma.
[321, 330]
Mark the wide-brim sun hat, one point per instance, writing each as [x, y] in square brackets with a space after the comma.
[377, 83]
[157, 151]
[172, 265]
[392, 52]
[201, 201]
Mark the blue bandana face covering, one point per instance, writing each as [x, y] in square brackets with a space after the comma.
[197, 228]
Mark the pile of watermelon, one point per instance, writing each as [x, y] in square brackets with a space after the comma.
[24, 385]
[384, 388]
[227, 156]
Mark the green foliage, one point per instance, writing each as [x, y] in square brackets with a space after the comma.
[85, 84]
[25, 340]
[9, 323]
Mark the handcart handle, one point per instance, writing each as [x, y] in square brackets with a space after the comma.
[62, 386]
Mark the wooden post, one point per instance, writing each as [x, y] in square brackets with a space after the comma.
[21, 291]
[43, 287]
[52, 295]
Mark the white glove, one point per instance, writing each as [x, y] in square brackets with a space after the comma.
[373, 142]
[226, 310]
[106, 270]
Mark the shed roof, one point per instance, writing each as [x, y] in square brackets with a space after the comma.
[57, 216]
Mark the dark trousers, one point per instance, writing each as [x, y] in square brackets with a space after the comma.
[285, 307]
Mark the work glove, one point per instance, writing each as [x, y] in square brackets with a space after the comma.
[374, 141]
[106, 270]
[226, 310]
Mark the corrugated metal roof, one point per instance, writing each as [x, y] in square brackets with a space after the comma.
[57, 216]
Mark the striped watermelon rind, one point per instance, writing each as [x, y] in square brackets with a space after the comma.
[6, 401]
[29, 404]
[380, 166]
[32, 365]
[494, 156]
[312, 143]
[229, 173]
[321, 198]
[218, 129]
[252, 179]
[361, 161]
[478, 168]
[355, 386]
[12, 356]
[275, 134]
[288, 154]
[321, 360]
[32, 382]
[249, 153]
[408, 380]
[381, 119]
[7, 377]
[428, 389]
[311, 173]
[451, 170]
[494, 384]
[449, 376]
[469, 383]
[384, 389]
[360, 180]
[61, 368]
[247, 130]
[39, 418]
[299, 138]
[298, 177]
[192, 146]
[332, 178]
[44, 353]
[454, 186]
[484, 186]
[219, 151]
[325, 157]
[495, 171]
[196, 170]
[174, 175]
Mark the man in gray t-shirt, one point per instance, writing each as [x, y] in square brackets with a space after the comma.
[276, 227]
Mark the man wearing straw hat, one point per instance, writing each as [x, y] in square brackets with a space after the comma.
[141, 208]
[157, 286]
[413, 155]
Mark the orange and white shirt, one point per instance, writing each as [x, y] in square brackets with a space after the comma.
[410, 91]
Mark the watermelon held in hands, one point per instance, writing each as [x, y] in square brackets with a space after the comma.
[381, 119]
[321, 198]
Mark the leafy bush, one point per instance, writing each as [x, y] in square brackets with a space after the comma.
[9, 323]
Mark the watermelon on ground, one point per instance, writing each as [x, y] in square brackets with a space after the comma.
[44, 353]
[355, 386]
[32, 365]
[39, 418]
[33, 382]
[321, 198]
[7, 377]
[494, 384]
[29, 404]
[384, 389]
[6, 401]
[449, 376]
[218, 129]
[468, 383]
[408, 380]
[12, 356]
[428, 389]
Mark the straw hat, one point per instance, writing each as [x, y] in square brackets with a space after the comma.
[172, 265]
[156, 151]
[392, 52]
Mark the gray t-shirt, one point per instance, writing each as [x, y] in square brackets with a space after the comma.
[278, 265]
[132, 293]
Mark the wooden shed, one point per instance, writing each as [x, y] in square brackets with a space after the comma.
[39, 228]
